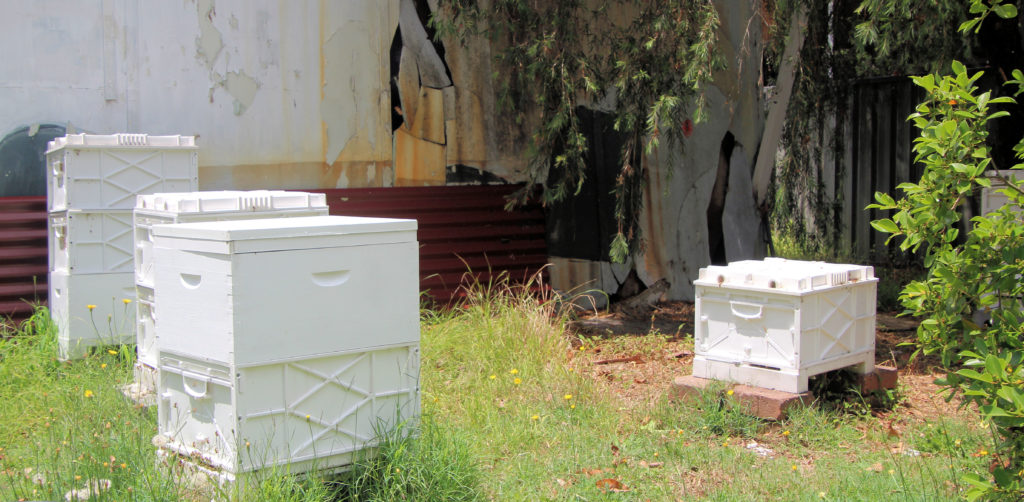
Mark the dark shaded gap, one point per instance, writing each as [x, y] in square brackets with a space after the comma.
[424, 13]
[396, 98]
[716, 206]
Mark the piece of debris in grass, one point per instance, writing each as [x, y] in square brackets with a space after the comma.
[760, 450]
[630, 359]
[91, 489]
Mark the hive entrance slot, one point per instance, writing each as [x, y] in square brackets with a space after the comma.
[765, 367]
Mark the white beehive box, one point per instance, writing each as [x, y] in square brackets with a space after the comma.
[775, 323]
[317, 282]
[992, 197]
[102, 172]
[308, 413]
[314, 316]
[145, 339]
[110, 322]
[163, 208]
[91, 242]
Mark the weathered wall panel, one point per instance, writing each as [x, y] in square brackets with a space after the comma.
[281, 94]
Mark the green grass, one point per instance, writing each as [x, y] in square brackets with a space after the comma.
[511, 411]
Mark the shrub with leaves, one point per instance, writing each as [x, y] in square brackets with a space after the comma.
[972, 267]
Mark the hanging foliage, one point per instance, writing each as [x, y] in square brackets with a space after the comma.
[647, 60]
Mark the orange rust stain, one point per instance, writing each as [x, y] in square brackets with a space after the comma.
[357, 174]
[418, 162]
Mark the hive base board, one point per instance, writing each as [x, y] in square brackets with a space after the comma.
[142, 391]
[784, 379]
[772, 404]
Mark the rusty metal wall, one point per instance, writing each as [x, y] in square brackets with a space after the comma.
[464, 232]
[23, 251]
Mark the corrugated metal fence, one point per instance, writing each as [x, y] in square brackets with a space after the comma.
[464, 232]
[23, 255]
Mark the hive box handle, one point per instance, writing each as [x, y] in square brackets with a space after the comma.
[191, 281]
[186, 376]
[734, 304]
[331, 279]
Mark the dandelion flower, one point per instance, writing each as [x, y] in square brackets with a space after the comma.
[568, 397]
[126, 301]
[90, 307]
[88, 393]
[112, 352]
[513, 371]
[785, 433]
[307, 416]
[794, 467]
[104, 365]
[535, 417]
[517, 381]
[124, 465]
[572, 406]
[730, 392]
[492, 377]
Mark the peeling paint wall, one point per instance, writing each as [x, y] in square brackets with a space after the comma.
[281, 94]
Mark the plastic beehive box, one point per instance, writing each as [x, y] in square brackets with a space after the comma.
[101, 172]
[163, 208]
[992, 197]
[315, 338]
[91, 242]
[110, 322]
[775, 323]
[309, 413]
[145, 339]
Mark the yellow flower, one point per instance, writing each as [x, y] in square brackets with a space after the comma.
[535, 417]
[517, 381]
[78, 478]
[513, 371]
[821, 494]
[126, 301]
[582, 348]
[785, 433]
[730, 392]
[124, 465]
[90, 307]
[112, 352]
[104, 365]
[88, 393]
[572, 406]
[794, 467]
[307, 416]
[568, 397]
[492, 377]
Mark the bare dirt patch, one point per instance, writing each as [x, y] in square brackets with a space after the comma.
[635, 357]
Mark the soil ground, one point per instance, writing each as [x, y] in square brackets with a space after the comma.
[641, 372]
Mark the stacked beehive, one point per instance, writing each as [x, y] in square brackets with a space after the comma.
[168, 208]
[93, 181]
[285, 341]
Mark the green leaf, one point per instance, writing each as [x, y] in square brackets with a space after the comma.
[959, 68]
[974, 375]
[993, 365]
[886, 226]
[1005, 11]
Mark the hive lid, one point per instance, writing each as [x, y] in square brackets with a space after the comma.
[122, 140]
[230, 201]
[283, 229]
[783, 275]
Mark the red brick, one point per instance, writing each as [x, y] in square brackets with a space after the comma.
[764, 403]
[884, 377]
